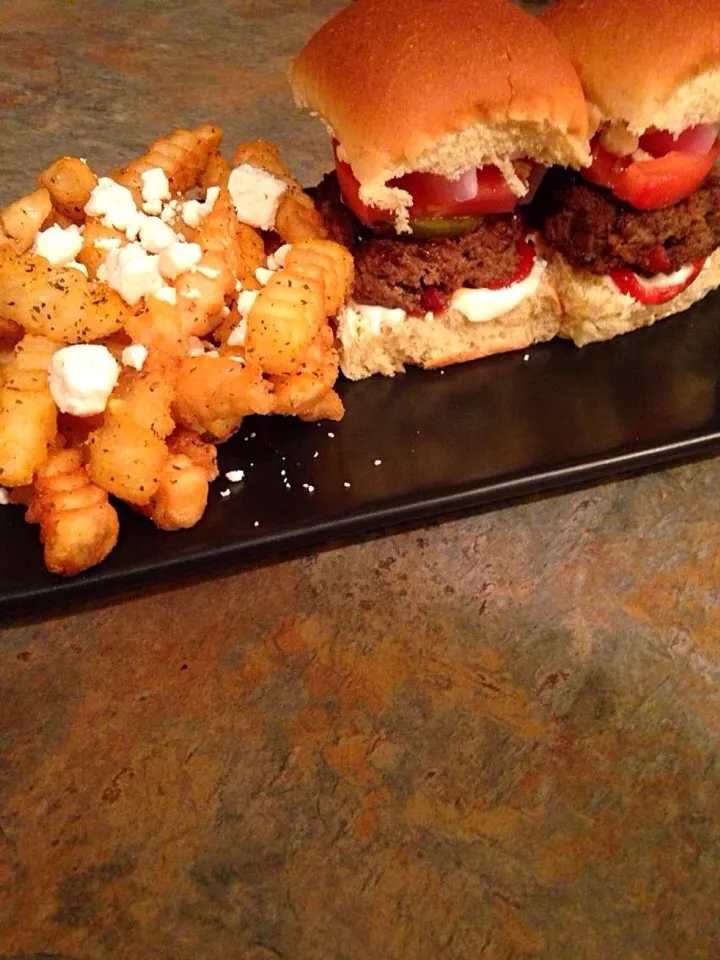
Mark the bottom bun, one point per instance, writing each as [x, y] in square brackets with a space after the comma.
[444, 338]
[593, 310]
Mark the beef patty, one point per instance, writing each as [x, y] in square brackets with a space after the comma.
[397, 271]
[592, 229]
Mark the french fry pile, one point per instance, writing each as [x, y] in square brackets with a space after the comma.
[171, 337]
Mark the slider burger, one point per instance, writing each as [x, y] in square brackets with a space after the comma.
[637, 233]
[444, 117]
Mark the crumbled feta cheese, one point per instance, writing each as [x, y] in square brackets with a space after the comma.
[378, 462]
[107, 243]
[237, 360]
[132, 272]
[238, 333]
[195, 347]
[208, 272]
[346, 484]
[4, 497]
[115, 205]
[245, 301]
[238, 285]
[170, 211]
[235, 476]
[155, 189]
[225, 312]
[178, 258]
[277, 260]
[263, 275]
[212, 353]
[331, 435]
[256, 195]
[166, 293]
[156, 235]
[59, 246]
[82, 378]
[193, 294]
[224, 493]
[134, 356]
[195, 211]
[75, 265]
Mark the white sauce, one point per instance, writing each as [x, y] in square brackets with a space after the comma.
[483, 304]
[659, 281]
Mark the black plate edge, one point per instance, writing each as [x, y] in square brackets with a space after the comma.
[300, 537]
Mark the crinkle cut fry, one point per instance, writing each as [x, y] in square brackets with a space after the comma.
[78, 525]
[215, 393]
[230, 251]
[58, 302]
[28, 415]
[183, 156]
[69, 181]
[182, 494]
[21, 220]
[128, 452]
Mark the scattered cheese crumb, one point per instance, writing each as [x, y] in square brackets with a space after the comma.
[132, 271]
[195, 211]
[224, 493]
[166, 293]
[256, 195]
[193, 294]
[108, 243]
[378, 462]
[256, 524]
[4, 497]
[115, 205]
[208, 272]
[235, 476]
[82, 377]
[331, 435]
[262, 275]
[155, 188]
[59, 246]
[277, 260]
[74, 265]
[346, 484]
[134, 356]
[526, 357]
[156, 235]
[178, 258]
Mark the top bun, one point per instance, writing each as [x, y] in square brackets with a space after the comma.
[649, 63]
[422, 85]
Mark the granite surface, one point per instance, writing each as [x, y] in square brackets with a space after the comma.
[493, 738]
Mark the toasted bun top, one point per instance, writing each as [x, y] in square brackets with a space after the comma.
[408, 85]
[646, 62]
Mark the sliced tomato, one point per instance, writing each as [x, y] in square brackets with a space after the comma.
[699, 139]
[651, 184]
[653, 292]
[476, 192]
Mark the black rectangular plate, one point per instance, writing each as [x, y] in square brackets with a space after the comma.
[472, 435]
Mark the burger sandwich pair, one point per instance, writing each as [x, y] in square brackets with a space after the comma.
[445, 118]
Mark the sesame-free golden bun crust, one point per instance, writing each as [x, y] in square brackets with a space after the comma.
[646, 62]
[408, 85]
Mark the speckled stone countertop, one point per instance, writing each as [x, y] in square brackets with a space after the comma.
[494, 738]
